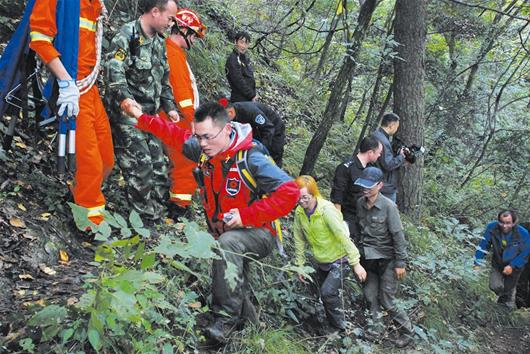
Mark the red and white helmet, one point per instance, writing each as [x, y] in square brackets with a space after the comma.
[187, 18]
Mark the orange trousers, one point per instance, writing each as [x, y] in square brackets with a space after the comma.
[94, 154]
[183, 184]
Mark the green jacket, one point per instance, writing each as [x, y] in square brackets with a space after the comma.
[137, 68]
[327, 234]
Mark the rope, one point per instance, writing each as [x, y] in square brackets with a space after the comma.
[86, 84]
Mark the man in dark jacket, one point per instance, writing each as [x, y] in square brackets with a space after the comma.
[239, 72]
[511, 247]
[384, 254]
[242, 222]
[267, 125]
[344, 193]
[388, 162]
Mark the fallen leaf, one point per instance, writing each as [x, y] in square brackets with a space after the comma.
[63, 256]
[86, 244]
[28, 236]
[16, 222]
[40, 302]
[21, 145]
[21, 292]
[195, 305]
[169, 221]
[72, 301]
[45, 216]
[22, 207]
[47, 270]
[26, 277]
[180, 226]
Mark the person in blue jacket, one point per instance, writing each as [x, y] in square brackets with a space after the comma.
[511, 247]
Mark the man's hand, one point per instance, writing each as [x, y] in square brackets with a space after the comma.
[235, 222]
[174, 116]
[68, 100]
[400, 273]
[130, 107]
[358, 269]
[301, 278]
[507, 270]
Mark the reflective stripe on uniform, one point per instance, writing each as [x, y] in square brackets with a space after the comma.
[180, 196]
[186, 103]
[87, 24]
[96, 211]
[37, 36]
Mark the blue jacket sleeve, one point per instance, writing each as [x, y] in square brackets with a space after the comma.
[484, 244]
[522, 258]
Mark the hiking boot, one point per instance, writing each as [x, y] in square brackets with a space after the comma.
[221, 329]
[403, 340]
[176, 212]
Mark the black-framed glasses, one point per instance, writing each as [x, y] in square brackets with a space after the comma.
[206, 137]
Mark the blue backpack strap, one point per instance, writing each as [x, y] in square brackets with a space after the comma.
[66, 41]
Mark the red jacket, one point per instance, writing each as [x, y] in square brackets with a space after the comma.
[223, 187]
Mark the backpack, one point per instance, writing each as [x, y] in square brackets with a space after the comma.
[250, 183]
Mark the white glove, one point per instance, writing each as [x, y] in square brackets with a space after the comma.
[68, 99]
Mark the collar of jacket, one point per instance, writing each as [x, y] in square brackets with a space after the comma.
[378, 201]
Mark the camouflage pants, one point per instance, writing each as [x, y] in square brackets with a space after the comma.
[143, 164]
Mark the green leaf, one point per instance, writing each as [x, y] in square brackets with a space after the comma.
[145, 233]
[121, 221]
[125, 232]
[181, 266]
[148, 260]
[27, 345]
[167, 349]
[231, 275]
[86, 300]
[152, 277]
[200, 243]
[169, 248]
[50, 315]
[104, 253]
[80, 215]
[67, 334]
[95, 339]
[103, 231]
[139, 252]
[135, 220]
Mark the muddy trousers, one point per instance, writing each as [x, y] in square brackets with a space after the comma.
[94, 154]
[380, 289]
[504, 286]
[331, 283]
[232, 296]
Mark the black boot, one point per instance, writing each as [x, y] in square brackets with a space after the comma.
[221, 329]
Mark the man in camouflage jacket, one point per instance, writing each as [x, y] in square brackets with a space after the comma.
[138, 76]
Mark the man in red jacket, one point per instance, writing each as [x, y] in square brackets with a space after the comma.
[240, 219]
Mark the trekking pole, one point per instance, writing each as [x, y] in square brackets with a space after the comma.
[71, 144]
[61, 151]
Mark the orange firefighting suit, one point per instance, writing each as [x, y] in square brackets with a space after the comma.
[182, 81]
[94, 149]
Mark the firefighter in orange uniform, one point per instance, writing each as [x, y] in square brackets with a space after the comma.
[78, 95]
[187, 28]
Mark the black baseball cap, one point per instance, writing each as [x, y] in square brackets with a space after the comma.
[370, 177]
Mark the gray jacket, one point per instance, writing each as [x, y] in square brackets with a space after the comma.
[388, 163]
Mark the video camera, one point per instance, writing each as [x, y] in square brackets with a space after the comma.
[411, 152]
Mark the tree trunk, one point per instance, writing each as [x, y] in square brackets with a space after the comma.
[409, 95]
[335, 106]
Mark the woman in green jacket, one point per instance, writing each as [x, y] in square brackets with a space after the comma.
[318, 223]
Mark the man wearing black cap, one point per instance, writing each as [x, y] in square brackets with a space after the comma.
[383, 250]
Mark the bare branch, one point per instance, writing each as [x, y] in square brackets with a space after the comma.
[482, 7]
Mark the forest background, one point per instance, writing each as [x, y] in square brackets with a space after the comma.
[457, 72]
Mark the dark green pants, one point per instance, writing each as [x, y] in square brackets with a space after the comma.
[253, 242]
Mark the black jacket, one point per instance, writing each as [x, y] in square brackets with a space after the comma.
[267, 126]
[344, 191]
[240, 76]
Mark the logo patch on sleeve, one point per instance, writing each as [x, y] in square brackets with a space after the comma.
[233, 185]
[120, 54]
[260, 119]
